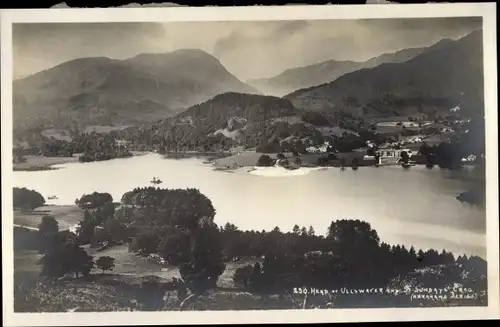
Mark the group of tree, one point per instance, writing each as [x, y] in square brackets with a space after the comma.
[98, 147]
[26, 199]
[94, 200]
[92, 146]
[350, 255]
[178, 225]
[99, 211]
[265, 161]
[62, 253]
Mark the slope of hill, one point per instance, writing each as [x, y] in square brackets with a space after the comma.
[227, 120]
[307, 76]
[103, 91]
[446, 74]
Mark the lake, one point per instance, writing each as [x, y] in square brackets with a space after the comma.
[414, 206]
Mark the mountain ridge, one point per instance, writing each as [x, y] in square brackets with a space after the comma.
[101, 90]
[297, 78]
[433, 80]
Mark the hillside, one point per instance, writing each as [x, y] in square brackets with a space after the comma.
[230, 114]
[103, 91]
[445, 75]
[311, 75]
[227, 120]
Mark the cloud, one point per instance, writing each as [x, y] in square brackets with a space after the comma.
[40, 46]
[290, 28]
[300, 43]
[247, 49]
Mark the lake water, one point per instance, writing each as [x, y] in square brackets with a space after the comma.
[411, 207]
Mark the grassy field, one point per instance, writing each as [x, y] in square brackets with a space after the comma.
[129, 264]
[34, 163]
[250, 159]
[67, 216]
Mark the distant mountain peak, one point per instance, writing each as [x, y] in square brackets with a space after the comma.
[323, 72]
[100, 90]
[435, 79]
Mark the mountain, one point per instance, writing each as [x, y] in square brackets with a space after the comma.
[327, 71]
[447, 74]
[103, 91]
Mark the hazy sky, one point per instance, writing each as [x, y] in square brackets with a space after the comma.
[246, 49]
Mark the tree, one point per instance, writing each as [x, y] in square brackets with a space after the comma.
[115, 230]
[46, 230]
[86, 229]
[228, 227]
[64, 256]
[94, 200]
[206, 263]
[145, 242]
[48, 225]
[310, 231]
[174, 245]
[353, 233]
[296, 229]
[242, 275]
[27, 200]
[105, 263]
[80, 262]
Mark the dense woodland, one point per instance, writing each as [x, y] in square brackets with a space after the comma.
[90, 147]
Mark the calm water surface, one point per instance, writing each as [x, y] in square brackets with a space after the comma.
[411, 207]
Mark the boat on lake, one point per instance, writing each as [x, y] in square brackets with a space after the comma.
[52, 197]
[156, 181]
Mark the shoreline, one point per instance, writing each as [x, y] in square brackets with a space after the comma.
[41, 163]
[227, 162]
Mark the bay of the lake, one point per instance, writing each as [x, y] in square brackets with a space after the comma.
[414, 206]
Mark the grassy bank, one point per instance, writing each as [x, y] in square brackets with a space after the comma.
[67, 216]
[37, 163]
[250, 159]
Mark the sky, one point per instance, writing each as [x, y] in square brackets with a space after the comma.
[247, 49]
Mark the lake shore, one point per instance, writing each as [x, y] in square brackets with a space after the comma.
[37, 163]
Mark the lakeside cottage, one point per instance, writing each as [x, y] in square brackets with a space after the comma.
[318, 149]
[123, 143]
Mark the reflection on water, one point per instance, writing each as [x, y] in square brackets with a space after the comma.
[414, 206]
